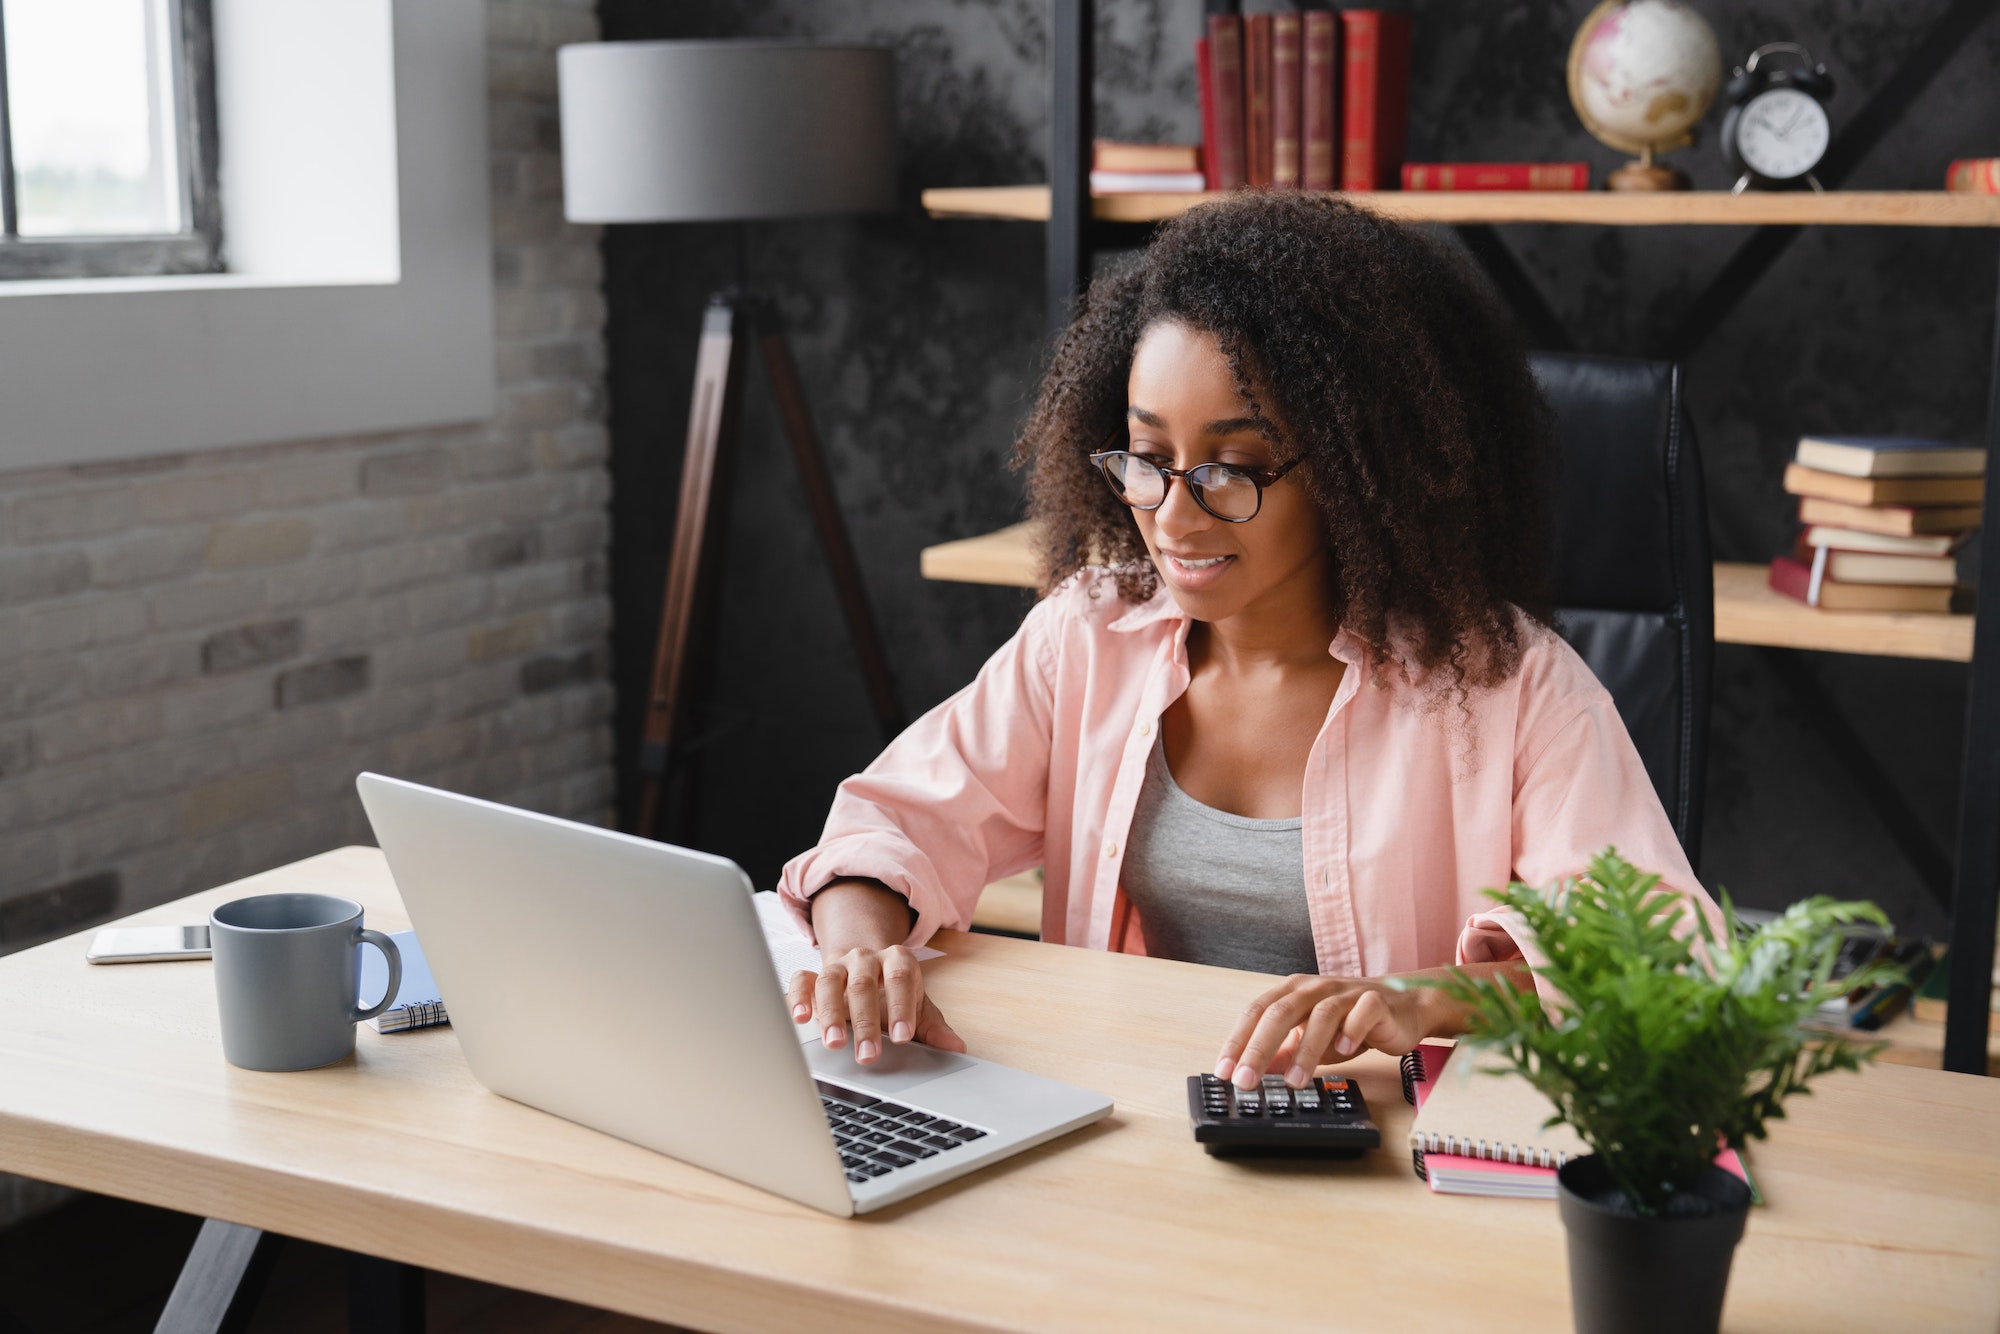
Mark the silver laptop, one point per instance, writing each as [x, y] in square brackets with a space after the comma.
[625, 985]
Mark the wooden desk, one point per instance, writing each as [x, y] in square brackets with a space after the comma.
[1884, 1188]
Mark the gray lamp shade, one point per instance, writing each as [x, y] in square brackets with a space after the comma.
[712, 131]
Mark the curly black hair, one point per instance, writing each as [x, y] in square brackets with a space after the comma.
[1378, 356]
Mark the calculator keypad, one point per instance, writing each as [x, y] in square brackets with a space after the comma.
[1327, 1116]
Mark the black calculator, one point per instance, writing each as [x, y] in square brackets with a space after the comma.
[1328, 1118]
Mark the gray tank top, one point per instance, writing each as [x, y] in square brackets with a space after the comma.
[1216, 888]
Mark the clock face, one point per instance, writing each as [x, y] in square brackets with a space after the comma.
[1782, 134]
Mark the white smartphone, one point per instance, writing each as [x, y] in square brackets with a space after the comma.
[146, 944]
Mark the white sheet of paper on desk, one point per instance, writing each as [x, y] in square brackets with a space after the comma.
[791, 952]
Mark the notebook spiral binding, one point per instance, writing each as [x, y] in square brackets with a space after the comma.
[1479, 1148]
[421, 1014]
[1412, 1068]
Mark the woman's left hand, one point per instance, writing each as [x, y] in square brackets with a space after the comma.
[1306, 1021]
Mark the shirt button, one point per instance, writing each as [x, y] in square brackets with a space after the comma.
[1111, 849]
[1145, 729]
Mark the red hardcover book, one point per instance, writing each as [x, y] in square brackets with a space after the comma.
[1319, 99]
[1375, 119]
[1496, 176]
[1257, 98]
[1287, 53]
[1974, 175]
[1225, 64]
[1204, 82]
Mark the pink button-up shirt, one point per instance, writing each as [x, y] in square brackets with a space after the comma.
[1412, 804]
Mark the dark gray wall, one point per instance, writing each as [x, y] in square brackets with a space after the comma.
[919, 341]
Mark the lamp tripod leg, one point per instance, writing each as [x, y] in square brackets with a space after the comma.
[833, 539]
[685, 647]
[686, 644]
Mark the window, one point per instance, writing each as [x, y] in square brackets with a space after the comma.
[107, 139]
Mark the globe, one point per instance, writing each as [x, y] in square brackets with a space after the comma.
[1642, 73]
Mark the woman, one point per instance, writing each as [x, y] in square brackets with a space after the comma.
[1305, 704]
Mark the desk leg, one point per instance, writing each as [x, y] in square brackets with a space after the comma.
[221, 1281]
[384, 1297]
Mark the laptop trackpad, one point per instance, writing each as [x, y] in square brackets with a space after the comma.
[901, 1067]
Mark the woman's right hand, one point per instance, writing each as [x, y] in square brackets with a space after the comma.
[869, 983]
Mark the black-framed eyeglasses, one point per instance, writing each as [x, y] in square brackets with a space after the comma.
[1229, 491]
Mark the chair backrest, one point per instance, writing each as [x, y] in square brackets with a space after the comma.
[1634, 590]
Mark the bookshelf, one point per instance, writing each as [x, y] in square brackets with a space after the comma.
[1075, 222]
[1746, 610]
[1703, 208]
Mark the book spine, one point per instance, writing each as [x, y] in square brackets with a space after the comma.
[1496, 176]
[1204, 79]
[1790, 578]
[1974, 175]
[1225, 55]
[1286, 57]
[1319, 102]
[1257, 98]
[1392, 99]
[1801, 480]
[1893, 520]
[1360, 33]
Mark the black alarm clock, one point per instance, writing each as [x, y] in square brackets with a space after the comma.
[1776, 129]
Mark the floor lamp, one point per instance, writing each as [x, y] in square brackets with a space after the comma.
[730, 131]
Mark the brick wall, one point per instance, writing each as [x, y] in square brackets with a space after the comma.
[199, 652]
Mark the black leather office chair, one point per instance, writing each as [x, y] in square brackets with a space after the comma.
[1634, 590]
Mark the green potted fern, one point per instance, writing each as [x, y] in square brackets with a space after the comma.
[1660, 1042]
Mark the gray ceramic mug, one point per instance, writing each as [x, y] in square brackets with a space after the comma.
[287, 977]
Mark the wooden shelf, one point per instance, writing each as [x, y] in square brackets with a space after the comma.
[1746, 610]
[1710, 208]
[1003, 557]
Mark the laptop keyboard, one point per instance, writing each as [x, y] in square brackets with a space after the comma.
[876, 1136]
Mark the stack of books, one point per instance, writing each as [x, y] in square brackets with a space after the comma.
[1123, 169]
[1882, 517]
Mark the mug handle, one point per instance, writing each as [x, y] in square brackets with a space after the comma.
[395, 961]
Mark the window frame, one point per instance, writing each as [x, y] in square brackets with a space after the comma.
[198, 248]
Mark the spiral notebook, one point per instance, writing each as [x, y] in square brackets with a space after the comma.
[418, 1004]
[1478, 1133]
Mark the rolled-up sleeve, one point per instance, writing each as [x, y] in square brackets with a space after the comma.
[1585, 790]
[958, 800]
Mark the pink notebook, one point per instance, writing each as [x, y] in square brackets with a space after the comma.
[1465, 1174]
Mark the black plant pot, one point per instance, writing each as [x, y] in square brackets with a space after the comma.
[1634, 1274]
